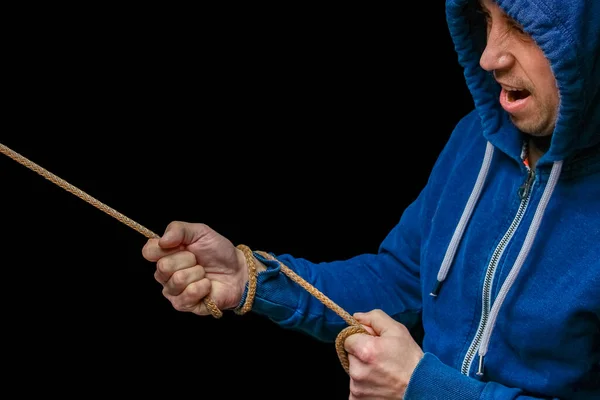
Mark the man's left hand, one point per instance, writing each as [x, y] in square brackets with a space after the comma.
[381, 365]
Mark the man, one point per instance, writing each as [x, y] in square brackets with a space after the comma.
[499, 256]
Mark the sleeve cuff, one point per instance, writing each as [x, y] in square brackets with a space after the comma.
[262, 279]
[432, 379]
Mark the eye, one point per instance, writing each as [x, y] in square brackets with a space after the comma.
[518, 29]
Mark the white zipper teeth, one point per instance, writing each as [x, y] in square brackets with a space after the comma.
[487, 284]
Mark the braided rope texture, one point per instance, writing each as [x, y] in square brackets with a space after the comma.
[353, 328]
[210, 304]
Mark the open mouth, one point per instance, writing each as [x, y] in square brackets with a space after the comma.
[516, 94]
[514, 100]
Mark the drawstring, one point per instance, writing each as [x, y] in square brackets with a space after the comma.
[464, 219]
[512, 276]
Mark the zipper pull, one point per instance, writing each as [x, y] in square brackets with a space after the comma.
[526, 186]
[480, 367]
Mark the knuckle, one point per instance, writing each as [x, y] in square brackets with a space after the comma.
[179, 306]
[174, 225]
[356, 391]
[158, 277]
[179, 303]
[357, 374]
[361, 376]
[368, 352]
[354, 376]
[178, 279]
[163, 266]
[189, 258]
[403, 329]
[147, 251]
[200, 227]
[198, 289]
[189, 299]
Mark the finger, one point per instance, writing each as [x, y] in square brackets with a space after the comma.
[153, 252]
[201, 309]
[356, 391]
[355, 344]
[191, 296]
[180, 233]
[168, 265]
[182, 278]
[369, 329]
[376, 319]
[359, 373]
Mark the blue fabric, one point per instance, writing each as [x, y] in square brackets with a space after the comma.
[546, 342]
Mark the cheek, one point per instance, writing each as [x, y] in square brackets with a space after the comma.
[543, 78]
[549, 90]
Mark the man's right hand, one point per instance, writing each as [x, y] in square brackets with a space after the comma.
[193, 261]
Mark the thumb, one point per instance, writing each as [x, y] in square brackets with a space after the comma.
[376, 319]
[180, 233]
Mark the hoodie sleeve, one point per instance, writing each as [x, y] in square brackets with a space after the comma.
[388, 280]
[434, 380]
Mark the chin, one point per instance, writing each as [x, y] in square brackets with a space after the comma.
[533, 126]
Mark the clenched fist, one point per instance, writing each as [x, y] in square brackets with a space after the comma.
[193, 261]
[381, 364]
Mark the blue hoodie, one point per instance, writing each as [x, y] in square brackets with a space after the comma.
[501, 266]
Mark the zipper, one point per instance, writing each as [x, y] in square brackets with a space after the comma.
[525, 188]
[524, 194]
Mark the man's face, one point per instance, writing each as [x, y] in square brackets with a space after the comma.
[529, 92]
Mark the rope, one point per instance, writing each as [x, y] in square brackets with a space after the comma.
[354, 327]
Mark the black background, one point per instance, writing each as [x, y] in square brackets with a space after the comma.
[297, 130]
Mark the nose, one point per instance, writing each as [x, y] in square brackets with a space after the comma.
[495, 56]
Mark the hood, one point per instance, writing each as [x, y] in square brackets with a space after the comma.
[571, 42]
[568, 32]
